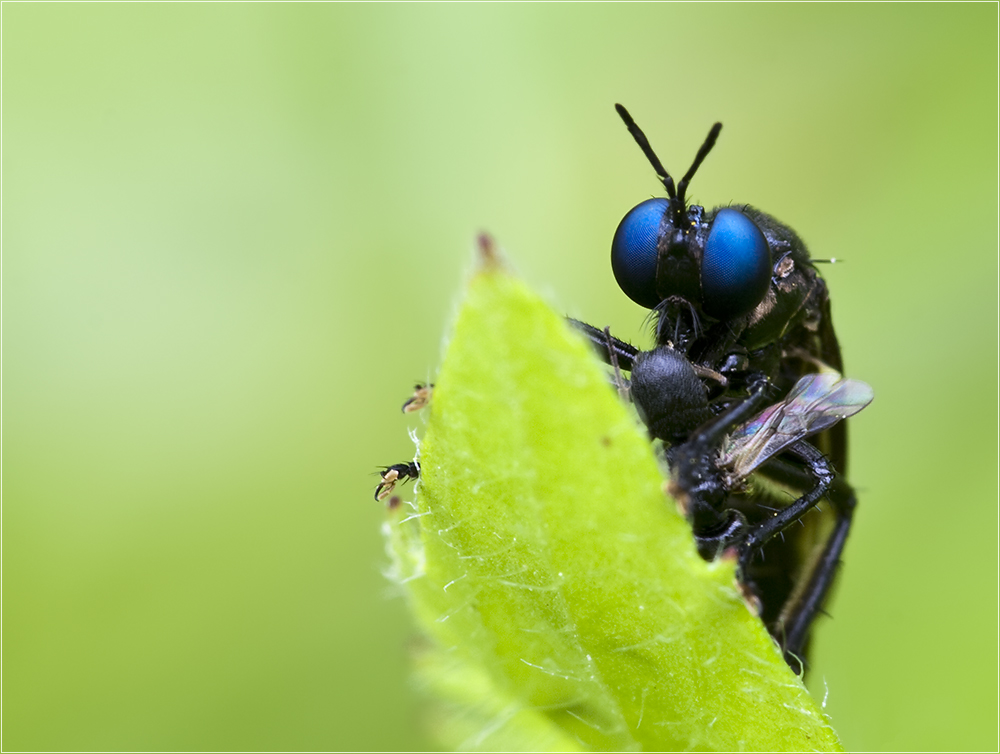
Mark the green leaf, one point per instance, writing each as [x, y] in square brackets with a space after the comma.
[564, 605]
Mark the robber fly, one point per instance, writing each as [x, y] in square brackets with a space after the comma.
[743, 388]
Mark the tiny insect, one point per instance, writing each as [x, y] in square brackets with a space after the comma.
[743, 388]
[393, 475]
[420, 398]
[404, 472]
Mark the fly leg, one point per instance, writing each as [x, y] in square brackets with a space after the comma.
[610, 349]
[696, 481]
[798, 613]
[822, 476]
[709, 437]
[622, 356]
[619, 354]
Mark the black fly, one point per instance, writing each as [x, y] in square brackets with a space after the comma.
[745, 369]
[743, 387]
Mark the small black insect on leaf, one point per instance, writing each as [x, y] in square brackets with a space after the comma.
[393, 475]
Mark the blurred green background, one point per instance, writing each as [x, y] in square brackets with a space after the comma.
[234, 236]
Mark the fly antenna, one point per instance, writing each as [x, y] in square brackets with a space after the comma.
[713, 134]
[643, 142]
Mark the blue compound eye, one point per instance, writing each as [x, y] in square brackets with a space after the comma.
[634, 251]
[736, 266]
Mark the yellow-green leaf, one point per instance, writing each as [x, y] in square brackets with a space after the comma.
[562, 599]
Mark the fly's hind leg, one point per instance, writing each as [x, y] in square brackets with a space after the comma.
[798, 615]
[806, 601]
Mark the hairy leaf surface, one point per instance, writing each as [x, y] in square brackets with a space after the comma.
[562, 599]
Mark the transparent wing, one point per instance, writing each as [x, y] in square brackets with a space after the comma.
[817, 402]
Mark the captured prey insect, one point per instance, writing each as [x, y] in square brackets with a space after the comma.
[743, 388]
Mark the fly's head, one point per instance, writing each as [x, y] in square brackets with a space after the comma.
[734, 266]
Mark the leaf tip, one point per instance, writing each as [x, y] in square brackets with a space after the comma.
[489, 257]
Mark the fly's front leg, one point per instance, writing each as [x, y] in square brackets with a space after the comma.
[619, 354]
[610, 349]
[620, 382]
